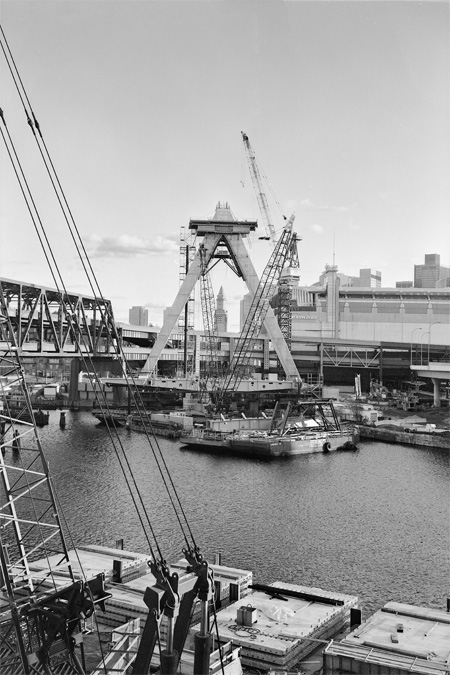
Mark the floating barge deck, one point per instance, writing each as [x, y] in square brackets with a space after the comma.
[399, 638]
[314, 428]
[279, 626]
[290, 620]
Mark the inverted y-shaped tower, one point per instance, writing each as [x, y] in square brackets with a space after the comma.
[223, 239]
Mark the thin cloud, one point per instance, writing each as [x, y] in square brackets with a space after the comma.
[126, 246]
[155, 305]
[353, 226]
[317, 228]
[310, 206]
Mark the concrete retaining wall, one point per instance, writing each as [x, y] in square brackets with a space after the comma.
[406, 437]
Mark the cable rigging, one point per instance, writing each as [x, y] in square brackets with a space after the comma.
[90, 274]
[191, 552]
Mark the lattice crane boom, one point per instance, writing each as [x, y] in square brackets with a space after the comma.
[41, 608]
[258, 186]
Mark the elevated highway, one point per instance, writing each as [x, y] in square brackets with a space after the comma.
[38, 317]
[310, 353]
[438, 373]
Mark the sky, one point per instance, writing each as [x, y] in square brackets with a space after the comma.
[142, 102]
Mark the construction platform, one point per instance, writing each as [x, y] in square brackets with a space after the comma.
[89, 560]
[397, 638]
[279, 627]
[196, 384]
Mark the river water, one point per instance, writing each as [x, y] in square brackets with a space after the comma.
[374, 523]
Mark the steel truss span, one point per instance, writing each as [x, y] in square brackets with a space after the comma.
[47, 321]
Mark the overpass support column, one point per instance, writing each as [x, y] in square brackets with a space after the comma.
[436, 392]
[380, 358]
[75, 369]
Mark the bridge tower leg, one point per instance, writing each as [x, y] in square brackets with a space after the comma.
[223, 232]
[75, 369]
[436, 392]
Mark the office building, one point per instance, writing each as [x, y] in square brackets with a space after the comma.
[138, 316]
[431, 272]
[368, 278]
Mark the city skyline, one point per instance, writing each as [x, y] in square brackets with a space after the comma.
[142, 106]
[355, 281]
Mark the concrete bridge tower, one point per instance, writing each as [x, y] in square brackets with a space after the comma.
[223, 239]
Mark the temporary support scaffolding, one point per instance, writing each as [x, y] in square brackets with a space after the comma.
[223, 239]
[284, 294]
[187, 252]
[208, 313]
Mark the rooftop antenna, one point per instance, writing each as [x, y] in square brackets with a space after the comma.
[334, 245]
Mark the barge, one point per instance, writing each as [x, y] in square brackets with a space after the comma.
[167, 424]
[279, 625]
[259, 626]
[314, 428]
[398, 638]
[260, 444]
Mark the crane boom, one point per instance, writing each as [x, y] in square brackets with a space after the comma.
[260, 194]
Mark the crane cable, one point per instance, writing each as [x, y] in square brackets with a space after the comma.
[36, 217]
[33, 123]
[271, 190]
[57, 285]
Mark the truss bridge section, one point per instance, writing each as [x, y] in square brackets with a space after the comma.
[47, 322]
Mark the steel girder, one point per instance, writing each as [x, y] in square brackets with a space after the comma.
[46, 321]
[351, 356]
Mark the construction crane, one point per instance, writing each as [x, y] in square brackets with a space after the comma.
[284, 291]
[240, 359]
[209, 321]
[263, 204]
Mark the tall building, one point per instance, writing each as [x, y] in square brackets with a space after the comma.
[244, 308]
[368, 278]
[138, 316]
[431, 272]
[221, 316]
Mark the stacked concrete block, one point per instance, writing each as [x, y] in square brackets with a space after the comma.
[287, 624]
